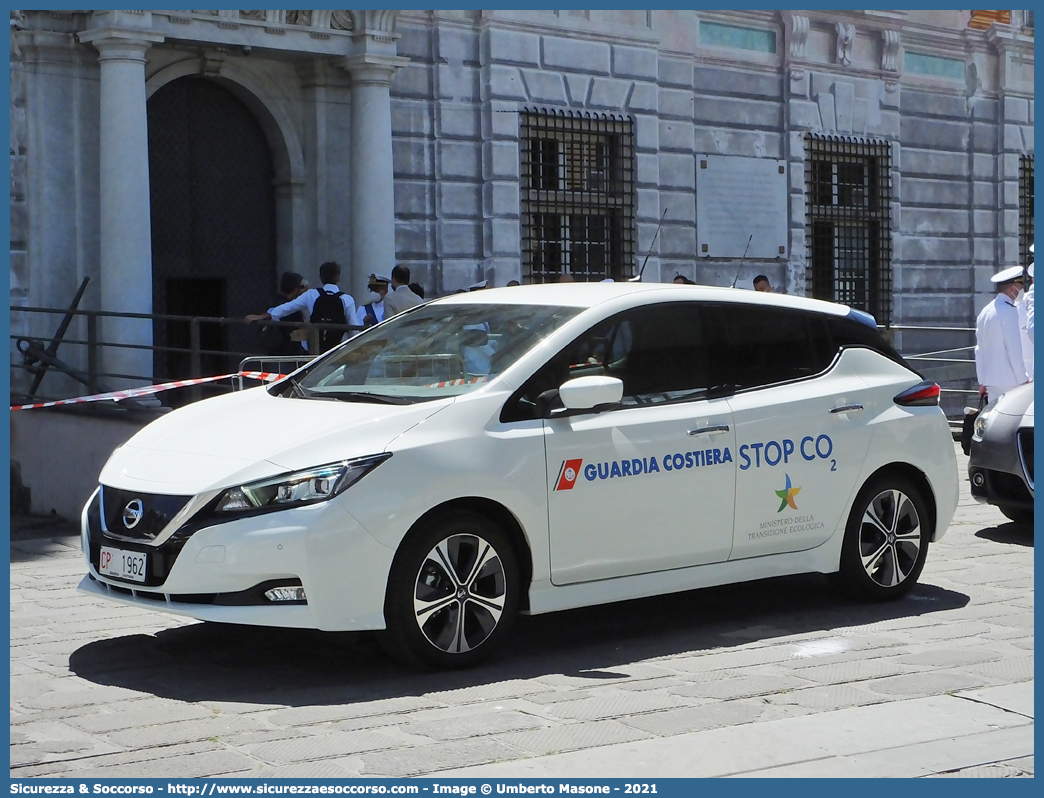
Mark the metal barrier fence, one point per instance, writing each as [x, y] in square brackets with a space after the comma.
[271, 364]
[77, 350]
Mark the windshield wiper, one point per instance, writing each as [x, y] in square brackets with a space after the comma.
[363, 396]
[296, 389]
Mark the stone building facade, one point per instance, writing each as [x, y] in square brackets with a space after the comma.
[182, 159]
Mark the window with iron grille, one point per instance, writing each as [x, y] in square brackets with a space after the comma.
[577, 196]
[848, 195]
[1025, 208]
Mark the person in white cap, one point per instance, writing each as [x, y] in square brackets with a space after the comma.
[478, 350]
[373, 311]
[400, 297]
[998, 341]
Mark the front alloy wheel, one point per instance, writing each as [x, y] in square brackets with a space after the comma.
[460, 593]
[886, 539]
[453, 591]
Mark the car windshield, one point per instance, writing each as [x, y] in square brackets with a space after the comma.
[436, 351]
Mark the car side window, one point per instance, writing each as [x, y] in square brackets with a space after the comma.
[667, 358]
[658, 351]
[755, 346]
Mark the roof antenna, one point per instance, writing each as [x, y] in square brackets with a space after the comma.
[641, 271]
[743, 260]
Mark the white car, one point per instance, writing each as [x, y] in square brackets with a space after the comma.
[533, 449]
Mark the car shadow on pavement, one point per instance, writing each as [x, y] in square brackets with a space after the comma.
[286, 667]
[1012, 533]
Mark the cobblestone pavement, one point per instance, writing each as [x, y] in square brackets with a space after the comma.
[780, 677]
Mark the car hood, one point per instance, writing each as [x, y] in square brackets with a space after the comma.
[1017, 402]
[252, 435]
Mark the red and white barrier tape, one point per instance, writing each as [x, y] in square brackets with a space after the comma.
[451, 383]
[147, 390]
[265, 376]
[130, 393]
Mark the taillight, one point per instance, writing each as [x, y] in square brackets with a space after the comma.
[923, 394]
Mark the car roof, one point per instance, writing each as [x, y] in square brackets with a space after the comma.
[589, 295]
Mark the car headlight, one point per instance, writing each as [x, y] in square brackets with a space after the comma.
[310, 486]
[979, 427]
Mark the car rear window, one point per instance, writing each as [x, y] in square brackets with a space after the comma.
[848, 332]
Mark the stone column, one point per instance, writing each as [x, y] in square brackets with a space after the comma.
[125, 224]
[290, 212]
[1014, 77]
[372, 176]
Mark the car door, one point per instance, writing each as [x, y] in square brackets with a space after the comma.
[647, 486]
[801, 427]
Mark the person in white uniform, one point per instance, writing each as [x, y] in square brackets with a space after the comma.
[478, 353]
[1024, 304]
[999, 366]
[1029, 307]
[373, 311]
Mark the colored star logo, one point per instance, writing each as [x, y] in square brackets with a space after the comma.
[787, 495]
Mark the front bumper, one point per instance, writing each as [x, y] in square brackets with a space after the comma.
[220, 572]
[1000, 466]
[297, 616]
[1000, 488]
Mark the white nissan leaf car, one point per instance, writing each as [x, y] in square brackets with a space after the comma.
[532, 449]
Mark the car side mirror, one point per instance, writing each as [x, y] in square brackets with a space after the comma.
[591, 393]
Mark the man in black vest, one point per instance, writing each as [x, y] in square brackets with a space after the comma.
[329, 276]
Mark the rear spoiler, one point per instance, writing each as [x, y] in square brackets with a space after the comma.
[862, 317]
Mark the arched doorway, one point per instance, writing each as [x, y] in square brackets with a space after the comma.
[213, 220]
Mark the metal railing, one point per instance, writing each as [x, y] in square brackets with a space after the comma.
[79, 355]
[952, 367]
[78, 351]
[949, 365]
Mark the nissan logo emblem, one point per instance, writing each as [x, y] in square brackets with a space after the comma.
[132, 513]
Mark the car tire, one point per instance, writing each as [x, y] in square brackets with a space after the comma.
[1017, 514]
[886, 539]
[453, 592]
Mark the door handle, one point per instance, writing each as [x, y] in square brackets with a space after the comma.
[847, 409]
[710, 429]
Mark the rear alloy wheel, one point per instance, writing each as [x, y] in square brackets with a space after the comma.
[886, 539]
[453, 592]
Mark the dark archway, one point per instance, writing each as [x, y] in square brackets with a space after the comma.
[213, 221]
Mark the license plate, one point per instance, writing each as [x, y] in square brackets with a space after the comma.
[122, 564]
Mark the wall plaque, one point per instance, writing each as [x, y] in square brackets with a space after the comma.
[739, 200]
